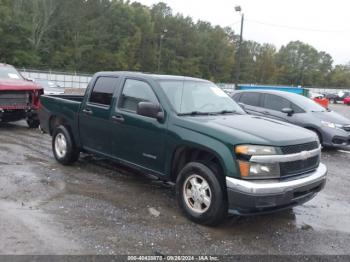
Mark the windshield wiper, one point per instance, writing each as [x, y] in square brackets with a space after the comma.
[223, 112]
[195, 113]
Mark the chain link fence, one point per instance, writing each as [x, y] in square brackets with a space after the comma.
[63, 79]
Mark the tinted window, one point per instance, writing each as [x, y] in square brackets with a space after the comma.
[103, 90]
[276, 103]
[134, 92]
[251, 99]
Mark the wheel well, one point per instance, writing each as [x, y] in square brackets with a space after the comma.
[316, 131]
[57, 121]
[185, 154]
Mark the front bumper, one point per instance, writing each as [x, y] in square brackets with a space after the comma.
[17, 114]
[333, 137]
[256, 197]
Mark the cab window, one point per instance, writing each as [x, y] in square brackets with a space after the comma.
[134, 92]
[103, 90]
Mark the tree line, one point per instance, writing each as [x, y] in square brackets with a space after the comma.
[95, 35]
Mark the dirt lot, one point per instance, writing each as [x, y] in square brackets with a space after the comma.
[96, 207]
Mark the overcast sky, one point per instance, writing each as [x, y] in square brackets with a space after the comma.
[324, 24]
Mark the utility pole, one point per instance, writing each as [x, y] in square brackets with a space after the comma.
[238, 64]
[160, 48]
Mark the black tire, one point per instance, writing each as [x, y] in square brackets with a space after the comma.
[33, 123]
[71, 152]
[217, 210]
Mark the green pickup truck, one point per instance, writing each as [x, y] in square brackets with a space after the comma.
[189, 132]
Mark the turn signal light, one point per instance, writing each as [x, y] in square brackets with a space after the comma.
[244, 167]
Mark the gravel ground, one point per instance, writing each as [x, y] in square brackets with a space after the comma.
[97, 207]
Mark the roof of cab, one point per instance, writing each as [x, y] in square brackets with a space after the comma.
[149, 75]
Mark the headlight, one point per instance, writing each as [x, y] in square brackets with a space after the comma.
[331, 125]
[251, 170]
[251, 150]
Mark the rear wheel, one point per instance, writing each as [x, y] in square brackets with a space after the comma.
[63, 146]
[200, 194]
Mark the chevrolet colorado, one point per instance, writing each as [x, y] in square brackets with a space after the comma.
[188, 131]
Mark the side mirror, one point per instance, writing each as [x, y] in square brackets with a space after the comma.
[288, 111]
[150, 110]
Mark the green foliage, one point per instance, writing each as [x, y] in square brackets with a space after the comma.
[95, 35]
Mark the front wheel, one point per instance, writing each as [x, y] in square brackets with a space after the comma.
[63, 146]
[33, 123]
[200, 194]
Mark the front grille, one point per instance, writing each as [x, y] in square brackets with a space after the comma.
[293, 149]
[299, 167]
[14, 98]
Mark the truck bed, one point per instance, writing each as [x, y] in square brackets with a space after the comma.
[65, 106]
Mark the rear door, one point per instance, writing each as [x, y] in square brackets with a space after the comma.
[95, 125]
[251, 102]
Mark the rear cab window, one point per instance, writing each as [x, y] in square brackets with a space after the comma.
[103, 90]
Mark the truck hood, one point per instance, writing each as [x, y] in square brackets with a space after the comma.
[250, 129]
[18, 85]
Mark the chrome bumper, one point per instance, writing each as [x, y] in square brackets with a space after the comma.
[272, 187]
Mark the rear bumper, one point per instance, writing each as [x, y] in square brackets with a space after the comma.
[248, 197]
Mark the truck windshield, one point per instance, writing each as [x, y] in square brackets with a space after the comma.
[198, 97]
[8, 72]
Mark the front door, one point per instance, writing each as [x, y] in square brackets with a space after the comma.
[273, 105]
[139, 139]
[96, 128]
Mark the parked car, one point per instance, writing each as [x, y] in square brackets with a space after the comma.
[332, 129]
[188, 131]
[50, 87]
[346, 101]
[337, 98]
[314, 95]
[19, 97]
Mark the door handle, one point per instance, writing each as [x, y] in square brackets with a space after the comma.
[118, 118]
[266, 113]
[87, 111]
